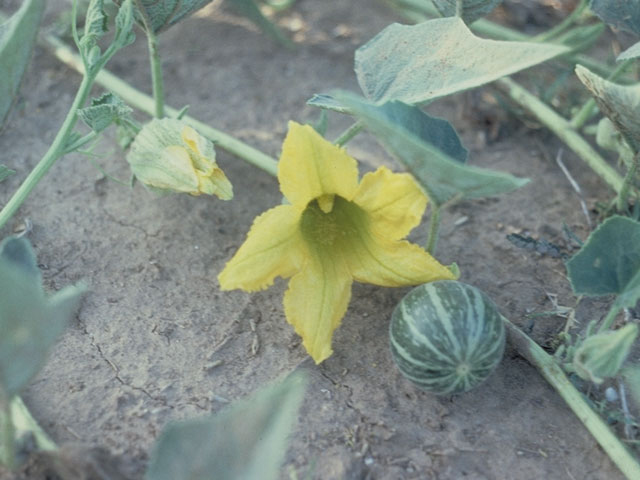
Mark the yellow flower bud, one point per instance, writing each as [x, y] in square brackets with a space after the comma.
[168, 154]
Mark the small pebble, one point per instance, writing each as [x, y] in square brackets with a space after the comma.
[611, 394]
[368, 461]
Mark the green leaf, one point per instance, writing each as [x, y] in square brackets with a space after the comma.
[609, 262]
[30, 321]
[418, 63]
[471, 9]
[327, 102]
[104, 111]
[17, 36]
[619, 103]
[247, 440]
[5, 172]
[623, 14]
[249, 9]
[396, 127]
[632, 52]
[601, 356]
[124, 25]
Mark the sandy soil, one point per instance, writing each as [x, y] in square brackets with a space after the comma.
[156, 339]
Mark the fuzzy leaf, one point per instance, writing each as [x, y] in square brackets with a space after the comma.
[632, 52]
[609, 262]
[124, 25]
[247, 440]
[5, 172]
[30, 321]
[619, 103]
[623, 14]
[601, 356]
[104, 111]
[327, 102]
[442, 176]
[418, 63]
[17, 36]
[162, 14]
[471, 9]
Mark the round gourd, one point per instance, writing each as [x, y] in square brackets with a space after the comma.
[446, 336]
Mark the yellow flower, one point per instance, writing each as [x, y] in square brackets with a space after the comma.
[334, 231]
[168, 154]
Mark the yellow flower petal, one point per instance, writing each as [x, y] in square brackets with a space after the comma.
[311, 167]
[215, 183]
[191, 138]
[393, 263]
[394, 202]
[316, 301]
[273, 248]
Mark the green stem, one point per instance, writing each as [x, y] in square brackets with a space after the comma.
[434, 226]
[56, 150]
[146, 104]
[81, 142]
[563, 25]
[550, 370]
[156, 73]
[623, 195]
[609, 319]
[589, 108]
[8, 438]
[459, 8]
[563, 129]
[349, 133]
[24, 422]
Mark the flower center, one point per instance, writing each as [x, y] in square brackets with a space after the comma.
[326, 229]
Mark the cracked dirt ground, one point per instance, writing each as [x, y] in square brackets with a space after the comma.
[156, 340]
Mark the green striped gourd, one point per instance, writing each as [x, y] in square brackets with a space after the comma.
[446, 336]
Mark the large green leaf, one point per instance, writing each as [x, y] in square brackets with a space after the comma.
[418, 63]
[30, 321]
[632, 52]
[609, 262]
[619, 103]
[162, 14]
[623, 14]
[442, 177]
[17, 36]
[247, 440]
[471, 9]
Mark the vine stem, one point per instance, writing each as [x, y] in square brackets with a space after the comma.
[55, 151]
[623, 194]
[155, 61]
[563, 129]
[349, 133]
[550, 370]
[609, 319]
[146, 104]
[8, 438]
[434, 226]
[563, 25]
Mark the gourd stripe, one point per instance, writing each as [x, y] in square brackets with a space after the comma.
[408, 357]
[435, 299]
[410, 322]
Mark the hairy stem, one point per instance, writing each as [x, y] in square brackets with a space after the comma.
[563, 129]
[156, 74]
[622, 200]
[550, 370]
[349, 133]
[56, 150]
[434, 226]
[564, 24]
[8, 438]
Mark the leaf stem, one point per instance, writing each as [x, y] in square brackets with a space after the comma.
[550, 370]
[23, 422]
[349, 133]
[146, 104]
[156, 73]
[588, 109]
[623, 194]
[563, 25]
[563, 129]
[55, 151]
[8, 437]
[434, 226]
[609, 319]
